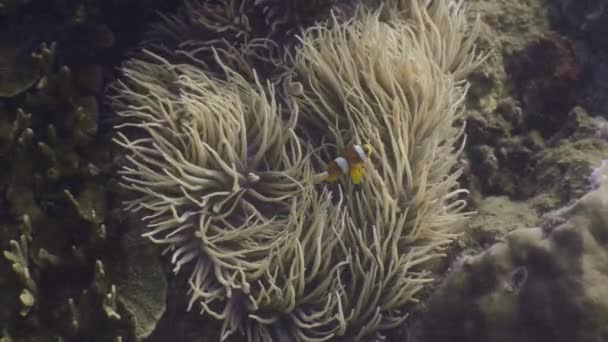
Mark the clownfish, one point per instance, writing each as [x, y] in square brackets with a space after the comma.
[350, 161]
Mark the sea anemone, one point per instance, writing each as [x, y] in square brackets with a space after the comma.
[219, 165]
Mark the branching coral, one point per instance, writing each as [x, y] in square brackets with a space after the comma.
[222, 179]
[20, 259]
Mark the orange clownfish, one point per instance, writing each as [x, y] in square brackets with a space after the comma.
[350, 162]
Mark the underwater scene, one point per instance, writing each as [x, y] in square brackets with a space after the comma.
[303, 170]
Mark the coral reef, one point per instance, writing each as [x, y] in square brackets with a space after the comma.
[507, 27]
[534, 137]
[495, 216]
[60, 232]
[524, 129]
[539, 284]
[588, 17]
[545, 74]
[508, 107]
[288, 260]
[585, 23]
[63, 214]
[558, 172]
[18, 70]
[518, 162]
[220, 167]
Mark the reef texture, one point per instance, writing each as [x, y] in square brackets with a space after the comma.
[586, 24]
[62, 268]
[537, 130]
[531, 120]
[74, 268]
[546, 283]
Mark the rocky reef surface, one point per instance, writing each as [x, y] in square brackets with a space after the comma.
[543, 283]
[529, 267]
[75, 269]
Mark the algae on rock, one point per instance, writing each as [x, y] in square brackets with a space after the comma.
[58, 229]
[553, 274]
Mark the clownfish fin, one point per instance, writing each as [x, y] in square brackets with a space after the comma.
[331, 177]
[357, 171]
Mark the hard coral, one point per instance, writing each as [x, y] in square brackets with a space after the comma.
[57, 228]
[547, 72]
[553, 276]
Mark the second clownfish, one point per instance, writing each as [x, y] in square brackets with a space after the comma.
[350, 162]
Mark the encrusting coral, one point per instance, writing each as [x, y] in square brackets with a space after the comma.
[219, 165]
[553, 274]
